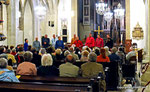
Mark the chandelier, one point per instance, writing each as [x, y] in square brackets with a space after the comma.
[119, 12]
[101, 7]
[108, 15]
[40, 11]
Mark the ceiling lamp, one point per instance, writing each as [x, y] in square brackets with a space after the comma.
[101, 7]
[119, 12]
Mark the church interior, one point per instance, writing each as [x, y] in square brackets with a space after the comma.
[75, 45]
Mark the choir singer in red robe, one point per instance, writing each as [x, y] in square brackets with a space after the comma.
[90, 42]
[99, 42]
[78, 43]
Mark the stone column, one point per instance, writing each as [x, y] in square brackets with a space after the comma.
[147, 49]
[127, 2]
[11, 25]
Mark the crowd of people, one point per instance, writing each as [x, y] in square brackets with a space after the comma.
[41, 60]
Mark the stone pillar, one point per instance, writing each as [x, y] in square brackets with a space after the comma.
[127, 19]
[11, 23]
[74, 15]
[147, 49]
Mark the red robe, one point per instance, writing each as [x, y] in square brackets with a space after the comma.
[78, 43]
[99, 42]
[90, 42]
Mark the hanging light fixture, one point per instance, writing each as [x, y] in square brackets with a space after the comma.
[119, 12]
[108, 15]
[101, 7]
[40, 11]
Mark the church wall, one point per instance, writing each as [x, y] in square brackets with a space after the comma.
[137, 14]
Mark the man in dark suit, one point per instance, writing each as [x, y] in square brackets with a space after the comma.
[45, 41]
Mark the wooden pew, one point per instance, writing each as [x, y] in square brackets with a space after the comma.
[62, 81]
[26, 87]
[69, 80]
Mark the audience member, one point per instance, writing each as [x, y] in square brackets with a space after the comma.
[102, 57]
[36, 57]
[84, 57]
[107, 51]
[68, 69]
[47, 68]
[97, 51]
[131, 53]
[26, 67]
[13, 52]
[11, 59]
[75, 56]
[114, 57]
[121, 54]
[5, 74]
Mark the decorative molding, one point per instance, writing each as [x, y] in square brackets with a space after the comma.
[138, 33]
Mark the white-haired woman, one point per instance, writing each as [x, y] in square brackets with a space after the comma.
[5, 74]
[47, 68]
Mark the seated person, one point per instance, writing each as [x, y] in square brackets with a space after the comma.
[102, 57]
[92, 69]
[84, 56]
[36, 57]
[68, 69]
[10, 57]
[113, 56]
[121, 54]
[131, 54]
[5, 74]
[26, 67]
[75, 56]
[47, 68]
[107, 51]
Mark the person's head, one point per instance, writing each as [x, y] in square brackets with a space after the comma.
[66, 53]
[59, 38]
[121, 49]
[45, 36]
[103, 52]
[8, 51]
[106, 48]
[1, 50]
[58, 51]
[90, 35]
[77, 38]
[33, 50]
[28, 56]
[3, 63]
[20, 48]
[71, 49]
[114, 50]
[13, 50]
[36, 38]
[97, 51]
[85, 53]
[98, 36]
[74, 35]
[50, 49]
[108, 36]
[92, 57]
[42, 51]
[46, 60]
[54, 36]
[26, 40]
[70, 58]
